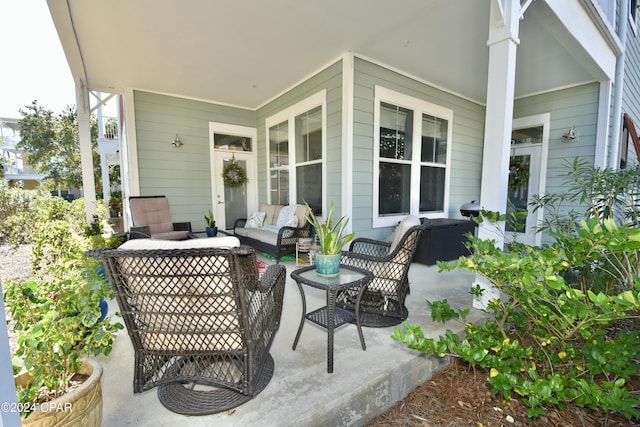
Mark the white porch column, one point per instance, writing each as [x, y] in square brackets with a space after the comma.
[503, 40]
[86, 152]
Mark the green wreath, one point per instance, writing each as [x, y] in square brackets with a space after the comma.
[234, 175]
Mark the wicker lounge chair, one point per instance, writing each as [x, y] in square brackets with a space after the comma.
[200, 319]
[382, 303]
[152, 219]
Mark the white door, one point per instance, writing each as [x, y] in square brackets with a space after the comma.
[525, 180]
[233, 144]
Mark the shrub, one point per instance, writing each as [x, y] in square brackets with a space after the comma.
[57, 313]
[560, 332]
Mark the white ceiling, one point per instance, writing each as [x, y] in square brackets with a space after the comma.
[245, 53]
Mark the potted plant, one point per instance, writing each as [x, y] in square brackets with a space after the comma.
[210, 220]
[331, 241]
[59, 321]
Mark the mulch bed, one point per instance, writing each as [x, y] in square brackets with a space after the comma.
[460, 396]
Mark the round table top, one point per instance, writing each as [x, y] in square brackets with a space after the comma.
[348, 277]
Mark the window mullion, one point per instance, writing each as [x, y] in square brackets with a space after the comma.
[415, 163]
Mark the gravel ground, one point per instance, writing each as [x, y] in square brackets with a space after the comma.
[15, 264]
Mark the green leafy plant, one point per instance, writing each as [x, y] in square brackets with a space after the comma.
[547, 341]
[210, 219]
[330, 234]
[57, 312]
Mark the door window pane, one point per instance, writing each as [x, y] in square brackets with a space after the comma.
[235, 198]
[395, 189]
[518, 191]
[231, 142]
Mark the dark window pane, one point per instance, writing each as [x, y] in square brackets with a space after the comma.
[309, 185]
[395, 186]
[396, 132]
[431, 189]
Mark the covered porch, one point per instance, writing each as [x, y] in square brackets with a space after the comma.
[363, 385]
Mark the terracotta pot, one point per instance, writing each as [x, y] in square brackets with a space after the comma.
[81, 407]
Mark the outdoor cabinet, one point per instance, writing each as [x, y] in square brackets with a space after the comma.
[443, 240]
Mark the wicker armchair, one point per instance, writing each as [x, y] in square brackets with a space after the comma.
[200, 319]
[382, 303]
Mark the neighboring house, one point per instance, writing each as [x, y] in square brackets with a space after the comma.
[17, 171]
[384, 108]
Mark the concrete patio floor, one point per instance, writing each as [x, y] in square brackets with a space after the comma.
[363, 384]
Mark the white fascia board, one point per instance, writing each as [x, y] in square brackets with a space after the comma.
[582, 27]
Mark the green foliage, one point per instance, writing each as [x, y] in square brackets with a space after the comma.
[115, 203]
[556, 334]
[329, 234]
[57, 311]
[209, 219]
[51, 145]
[16, 212]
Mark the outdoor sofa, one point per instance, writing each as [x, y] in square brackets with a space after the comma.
[274, 229]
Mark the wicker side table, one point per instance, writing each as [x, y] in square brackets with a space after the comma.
[330, 317]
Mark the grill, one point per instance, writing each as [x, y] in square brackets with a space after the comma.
[470, 209]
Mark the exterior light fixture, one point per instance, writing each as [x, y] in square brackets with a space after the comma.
[571, 135]
[176, 142]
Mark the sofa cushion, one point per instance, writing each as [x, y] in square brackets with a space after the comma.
[212, 242]
[272, 213]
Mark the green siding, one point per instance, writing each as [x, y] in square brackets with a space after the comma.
[466, 154]
[182, 174]
[576, 106]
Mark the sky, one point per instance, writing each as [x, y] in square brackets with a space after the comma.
[33, 63]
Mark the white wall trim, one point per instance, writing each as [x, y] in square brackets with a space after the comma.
[288, 114]
[348, 78]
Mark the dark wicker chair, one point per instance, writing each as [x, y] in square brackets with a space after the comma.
[382, 303]
[201, 322]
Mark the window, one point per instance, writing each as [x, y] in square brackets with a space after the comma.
[296, 154]
[412, 152]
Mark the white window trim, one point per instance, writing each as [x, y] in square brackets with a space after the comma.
[419, 107]
[289, 114]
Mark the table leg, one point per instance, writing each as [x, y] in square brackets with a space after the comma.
[331, 310]
[360, 293]
[304, 314]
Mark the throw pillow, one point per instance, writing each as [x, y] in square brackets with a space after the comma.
[286, 213]
[293, 222]
[255, 220]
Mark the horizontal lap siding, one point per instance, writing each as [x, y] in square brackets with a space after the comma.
[182, 174]
[631, 93]
[577, 106]
[466, 154]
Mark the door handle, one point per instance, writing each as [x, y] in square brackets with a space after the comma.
[220, 203]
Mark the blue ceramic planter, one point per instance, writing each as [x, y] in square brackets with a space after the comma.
[327, 265]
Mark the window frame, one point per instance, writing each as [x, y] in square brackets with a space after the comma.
[289, 115]
[419, 107]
